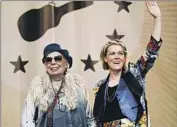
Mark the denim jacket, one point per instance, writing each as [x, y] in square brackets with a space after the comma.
[131, 89]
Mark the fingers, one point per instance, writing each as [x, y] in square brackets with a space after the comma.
[148, 4]
[151, 3]
[155, 3]
[153, 8]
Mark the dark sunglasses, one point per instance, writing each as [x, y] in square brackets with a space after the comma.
[56, 58]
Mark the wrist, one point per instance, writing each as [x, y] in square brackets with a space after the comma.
[158, 18]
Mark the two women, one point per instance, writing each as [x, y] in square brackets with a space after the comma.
[59, 99]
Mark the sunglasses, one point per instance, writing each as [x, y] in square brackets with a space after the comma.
[56, 58]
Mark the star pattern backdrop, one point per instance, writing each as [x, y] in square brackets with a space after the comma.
[83, 32]
[19, 65]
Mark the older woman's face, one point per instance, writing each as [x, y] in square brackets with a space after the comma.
[115, 58]
[55, 64]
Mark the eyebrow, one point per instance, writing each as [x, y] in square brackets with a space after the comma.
[115, 51]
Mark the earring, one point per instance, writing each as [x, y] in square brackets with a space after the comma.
[67, 66]
[66, 69]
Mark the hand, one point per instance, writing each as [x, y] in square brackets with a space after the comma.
[153, 8]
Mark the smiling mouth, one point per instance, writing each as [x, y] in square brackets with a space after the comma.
[117, 62]
[54, 68]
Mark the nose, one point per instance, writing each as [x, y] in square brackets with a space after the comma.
[117, 56]
[53, 61]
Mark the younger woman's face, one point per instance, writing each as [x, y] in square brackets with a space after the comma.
[115, 58]
[55, 64]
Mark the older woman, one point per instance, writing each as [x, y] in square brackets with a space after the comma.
[120, 98]
[58, 99]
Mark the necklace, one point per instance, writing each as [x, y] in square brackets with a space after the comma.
[112, 96]
[60, 87]
[55, 89]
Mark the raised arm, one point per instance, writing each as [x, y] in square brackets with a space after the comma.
[155, 12]
[146, 61]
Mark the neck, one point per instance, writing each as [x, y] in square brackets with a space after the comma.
[114, 78]
[56, 77]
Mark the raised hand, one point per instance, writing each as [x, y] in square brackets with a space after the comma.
[153, 8]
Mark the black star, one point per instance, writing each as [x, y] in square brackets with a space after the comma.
[19, 65]
[115, 36]
[89, 63]
[123, 5]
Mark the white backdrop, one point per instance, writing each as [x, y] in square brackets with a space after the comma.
[82, 32]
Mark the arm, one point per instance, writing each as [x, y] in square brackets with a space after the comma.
[28, 108]
[89, 113]
[27, 112]
[98, 106]
[146, 61]
[156, 14]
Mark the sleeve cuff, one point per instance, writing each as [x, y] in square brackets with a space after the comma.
[155, 41]
[154, 45]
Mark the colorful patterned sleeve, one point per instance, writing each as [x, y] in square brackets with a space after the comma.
[146, 61]
[97, 86]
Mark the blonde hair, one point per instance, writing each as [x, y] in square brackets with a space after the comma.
[104, 51]
[43, 93]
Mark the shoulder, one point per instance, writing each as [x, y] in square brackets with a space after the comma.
[36, 85]
[132, 68]
[74, 76]
[97, 85]
[37, 81]
[75, 79]
[76, 82]
[135, 69]
[131, 65]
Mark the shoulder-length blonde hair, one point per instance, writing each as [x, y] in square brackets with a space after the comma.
[104, 52]
[45, 93]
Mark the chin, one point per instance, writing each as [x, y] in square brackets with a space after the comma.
[54, 73]
[117, 68]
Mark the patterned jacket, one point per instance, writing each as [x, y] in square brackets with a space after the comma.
[131, 89]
